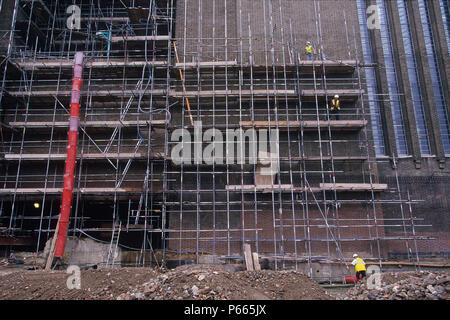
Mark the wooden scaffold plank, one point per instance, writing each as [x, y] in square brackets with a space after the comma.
[306, 125]
[85, 156]
[93, 124]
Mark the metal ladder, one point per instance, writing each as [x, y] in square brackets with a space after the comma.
[113, 246]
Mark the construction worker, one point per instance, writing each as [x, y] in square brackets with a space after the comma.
[335, 107]
[107, 36]
[309, 51]
[360, 267]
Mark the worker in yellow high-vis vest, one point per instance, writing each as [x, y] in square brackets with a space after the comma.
[335, 108]
[360, 267]
[309, 50]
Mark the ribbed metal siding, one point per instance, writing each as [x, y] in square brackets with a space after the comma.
[435, 77]
[374, 106]
[391, 76]
[445, 11]
[416, 94]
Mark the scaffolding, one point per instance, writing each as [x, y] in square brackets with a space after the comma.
[150, 71]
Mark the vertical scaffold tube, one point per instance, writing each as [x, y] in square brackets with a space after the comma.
[66, 201]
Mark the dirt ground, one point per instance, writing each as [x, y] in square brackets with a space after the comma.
[103, 284]
[193, 282]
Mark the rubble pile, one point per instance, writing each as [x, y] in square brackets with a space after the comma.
[421, 285]
[182, 283]
[215, 283]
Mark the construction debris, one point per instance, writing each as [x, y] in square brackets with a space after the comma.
[421, 285]
[213, 282]
[202, 282]
[193, 282]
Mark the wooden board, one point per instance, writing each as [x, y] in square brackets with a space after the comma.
[93, 124]
[205, 64]
[233, 93]
[261, 188]
[248, 257]
[68, 93]
[103, 63]
[256, 264]
[334, 158]
[354, 186]
[344, 94]
[307, 125]
[339, 187]
[86, 156]
[59, 190]
[139, 38]
[332, 92]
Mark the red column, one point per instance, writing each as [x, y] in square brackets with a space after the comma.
[66, 201]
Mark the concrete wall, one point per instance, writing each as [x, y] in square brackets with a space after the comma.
[85, 251]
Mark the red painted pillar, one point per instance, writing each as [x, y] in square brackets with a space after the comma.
[66, 201]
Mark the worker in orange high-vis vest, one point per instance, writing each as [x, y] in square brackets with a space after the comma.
[335, 108]
[360, 267]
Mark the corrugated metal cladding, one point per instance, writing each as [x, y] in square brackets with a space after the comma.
[374, 106]
[435, 76]
[414, 84]
[391, 75]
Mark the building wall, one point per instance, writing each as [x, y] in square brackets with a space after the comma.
[286, 24]
[220, 30]
[295, 25]
[425, 177]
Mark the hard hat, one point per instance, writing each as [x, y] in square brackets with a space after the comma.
[307, 42]
[336, 96]
[355, 255]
